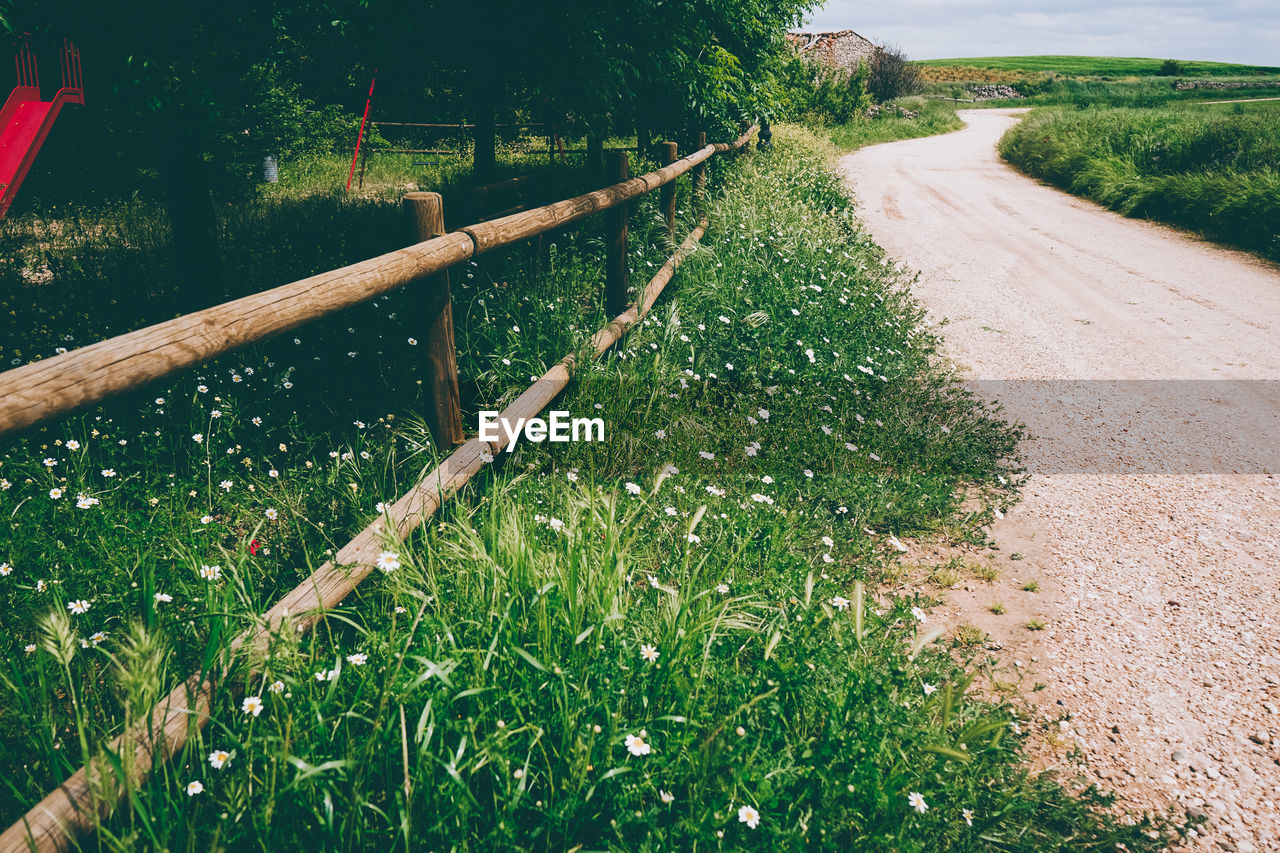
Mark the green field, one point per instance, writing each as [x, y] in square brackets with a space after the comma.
[1103, 66]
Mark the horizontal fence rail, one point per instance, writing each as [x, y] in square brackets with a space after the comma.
[57, 386]
[78, 804]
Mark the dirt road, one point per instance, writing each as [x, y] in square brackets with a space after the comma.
[1147, 363]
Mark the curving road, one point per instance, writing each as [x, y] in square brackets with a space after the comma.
[1147, 365]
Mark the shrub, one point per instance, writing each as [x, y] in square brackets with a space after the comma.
[891, 76]
[819, 94]
[1171, 68]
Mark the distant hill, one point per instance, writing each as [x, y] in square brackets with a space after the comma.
[1103, 66]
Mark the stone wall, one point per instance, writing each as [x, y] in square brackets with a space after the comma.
[844, 49]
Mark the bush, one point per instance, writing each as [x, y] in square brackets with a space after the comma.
[891, 76]
[1171, 68]
[819, 94]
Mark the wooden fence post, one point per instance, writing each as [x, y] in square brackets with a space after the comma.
[668, 191]
[424, 214]
[615, 283]
[700, 174]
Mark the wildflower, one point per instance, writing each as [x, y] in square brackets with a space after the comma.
[634, 489]
[5, 570]
[159, 401]
[636, 745]
[271, 514]
[225, 485]
[749, 816]
[257, 421]
[251, 705]
[839, 602]
[486, 457]
[706, 455]
[86, 502]
[203, 389]
[388, 562]
[380, 507]
[808, 473]
[72, 444]
[666, 796]
[916, 800]
[197, 438]
[413, 342]
[967, 814]
[555, 523]
[827, 558]
[205, 519]
[108, 472]
[194, 788]
[97, 637]
[828, 541]
[29, 648]
[670, 510]
[216, 413]
[5, 485]
[211, 573]
[42, 585]
[694, 539]
[78, 606]
[276, 687]
[55, 493]
[163, 598]
[662, 433]
[273, 473]
[572, 476]
[50, 462]
[722, 588]
[518, 773]
[740, 731]
[358, 659]
[219, 758]
[649, 653]
[762, 499]
[929, 689]
[919, 615]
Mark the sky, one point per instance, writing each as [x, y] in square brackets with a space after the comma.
[1245, 31]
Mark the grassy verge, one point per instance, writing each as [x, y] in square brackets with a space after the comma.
[671, 640]
[1212, 171]
[935, 117]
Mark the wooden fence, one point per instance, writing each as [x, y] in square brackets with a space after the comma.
[57, 386]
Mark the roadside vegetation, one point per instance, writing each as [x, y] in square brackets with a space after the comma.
[1215, 170]
[672, 640]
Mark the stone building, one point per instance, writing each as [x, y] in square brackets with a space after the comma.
[844, 49]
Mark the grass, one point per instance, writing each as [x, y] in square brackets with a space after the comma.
[934, 118]
[1215, 170]
[639, 645]
[1101, 66]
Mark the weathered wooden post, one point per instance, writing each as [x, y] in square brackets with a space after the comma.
[615, 282]
[700, 174]
[668, 191]
[424, 215]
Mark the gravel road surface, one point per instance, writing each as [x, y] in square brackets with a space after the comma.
[1146, 364]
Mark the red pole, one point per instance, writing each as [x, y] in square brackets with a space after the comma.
[360, 138]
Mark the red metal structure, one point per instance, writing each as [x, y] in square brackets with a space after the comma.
[25, 120]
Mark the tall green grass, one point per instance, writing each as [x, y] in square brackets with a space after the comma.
[671, 641]
[1213, 172]
[934, 117]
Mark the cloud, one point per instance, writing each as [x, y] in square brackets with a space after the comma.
[1231, 31]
